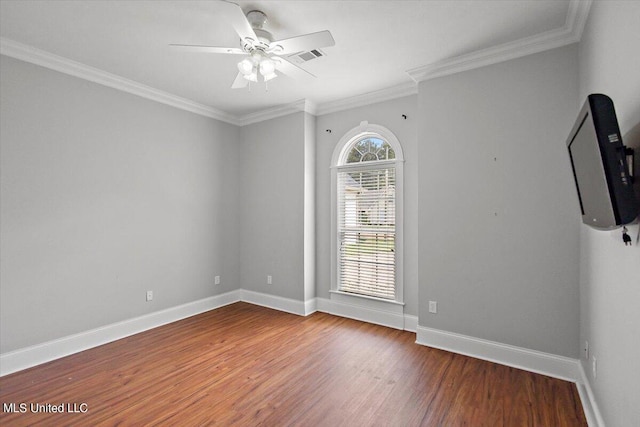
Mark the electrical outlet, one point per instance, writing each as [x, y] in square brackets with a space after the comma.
[433, 307]
[217, 280]
[149, 295]
[586, 350]
[595, 368]
[269, 280]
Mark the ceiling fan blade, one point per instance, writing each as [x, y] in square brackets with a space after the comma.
[239, 82]
[208, 49]
[301, 43]
[235, 16]
[291, 70]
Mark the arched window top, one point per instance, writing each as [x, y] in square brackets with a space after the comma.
[367, 143]
[369, 148]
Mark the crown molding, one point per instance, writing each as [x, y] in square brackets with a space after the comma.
[45, 59]
[577, 17]
[493, 55]
[58, 63]
[310, 107]
[279, 111]
[399, 91]
[569, 33]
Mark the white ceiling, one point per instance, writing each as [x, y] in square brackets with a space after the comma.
[377, 42]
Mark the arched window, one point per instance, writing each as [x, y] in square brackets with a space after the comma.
[367, 219]
[369, 148]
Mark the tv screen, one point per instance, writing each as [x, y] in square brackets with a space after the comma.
[600, 169]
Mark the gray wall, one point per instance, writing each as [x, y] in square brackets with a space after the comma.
[610, 271]
[309, 207]
[498, 239]
[271, 208]
[105, 195]
[389, 115]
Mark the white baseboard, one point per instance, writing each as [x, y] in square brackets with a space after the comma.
[366, 314]
[591, 411]
[323, 305]
[277, 303]
[410, 323]
[310, 306]
[41, 353]
[547, 364]
[552, 365]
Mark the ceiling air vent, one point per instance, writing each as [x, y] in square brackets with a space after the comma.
[301, 57]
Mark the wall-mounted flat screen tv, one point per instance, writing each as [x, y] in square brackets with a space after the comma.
[598, 158]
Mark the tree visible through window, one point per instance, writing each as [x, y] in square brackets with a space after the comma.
[370, 149]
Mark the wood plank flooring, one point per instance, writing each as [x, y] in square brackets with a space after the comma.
[245, 365]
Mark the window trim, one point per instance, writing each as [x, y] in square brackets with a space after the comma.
[338, 163]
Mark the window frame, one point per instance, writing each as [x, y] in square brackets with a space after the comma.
[338, 164]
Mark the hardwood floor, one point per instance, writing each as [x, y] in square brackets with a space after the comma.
[245, 365]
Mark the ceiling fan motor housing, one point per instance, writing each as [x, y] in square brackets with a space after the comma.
[257, 19]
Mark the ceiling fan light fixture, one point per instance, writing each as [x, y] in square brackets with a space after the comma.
[252, 77]
[269, 76]
[246, 66]
[267, 67]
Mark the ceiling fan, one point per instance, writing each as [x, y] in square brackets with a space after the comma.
[263, 54]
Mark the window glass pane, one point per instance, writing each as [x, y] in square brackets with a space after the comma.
[370, 149]
[366, 229]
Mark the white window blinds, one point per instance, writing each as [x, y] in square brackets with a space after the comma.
[367, 231]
